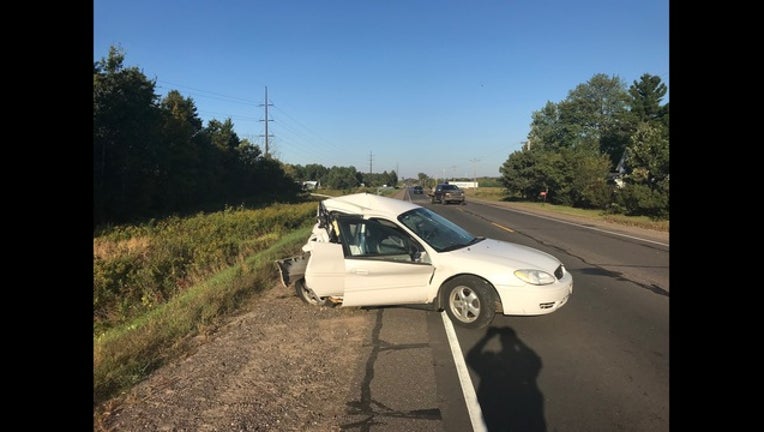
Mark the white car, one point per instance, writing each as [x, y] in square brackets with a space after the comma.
[370, 250]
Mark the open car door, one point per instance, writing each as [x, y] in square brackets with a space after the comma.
[383, 264]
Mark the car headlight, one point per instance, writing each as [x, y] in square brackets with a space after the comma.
[535, 277]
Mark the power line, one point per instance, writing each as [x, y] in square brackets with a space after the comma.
[278, 107]
[309, 139]
[213, 94]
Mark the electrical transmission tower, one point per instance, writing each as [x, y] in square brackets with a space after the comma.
[266, 105]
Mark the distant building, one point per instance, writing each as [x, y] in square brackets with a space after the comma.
[310, 185]
[464, 184]
[620, 171]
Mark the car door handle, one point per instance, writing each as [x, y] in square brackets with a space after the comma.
[361, 272]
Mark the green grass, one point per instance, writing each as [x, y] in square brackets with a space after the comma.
[487, 193]
[137, 268]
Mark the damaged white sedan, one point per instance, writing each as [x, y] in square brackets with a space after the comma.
[370, 250]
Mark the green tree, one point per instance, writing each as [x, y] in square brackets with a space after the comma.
[126, 122]
[389, 178]
[222, 134]
[315, 172]
[249, 154]
[584, 182]
[646, 95]
[522, 176]
[182, 175]
[343, 178]
[645, 189]
[224, 164]
[573, 145]
[153, 158]
[593, 116]
[547, 131]
[596, 114]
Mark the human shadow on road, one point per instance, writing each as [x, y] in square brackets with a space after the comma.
[508, 394]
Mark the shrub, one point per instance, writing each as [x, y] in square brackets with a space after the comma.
[137, 268]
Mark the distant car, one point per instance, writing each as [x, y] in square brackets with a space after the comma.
[371, 250]
[445, 193]
[418, 190]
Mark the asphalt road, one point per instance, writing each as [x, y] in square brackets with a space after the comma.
[601, 363]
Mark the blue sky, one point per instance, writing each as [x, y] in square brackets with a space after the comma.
[440, 87]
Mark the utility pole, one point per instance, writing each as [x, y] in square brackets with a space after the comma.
[266, 104]
[474, 176]
[370, 165]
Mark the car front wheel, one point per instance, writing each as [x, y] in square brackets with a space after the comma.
[469, 301]
[306, 295]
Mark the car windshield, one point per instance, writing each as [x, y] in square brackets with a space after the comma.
[438, 232]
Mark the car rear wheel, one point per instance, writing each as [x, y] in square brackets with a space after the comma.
[307, 295]
[469, 301]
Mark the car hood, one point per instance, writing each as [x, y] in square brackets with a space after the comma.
[508, 254]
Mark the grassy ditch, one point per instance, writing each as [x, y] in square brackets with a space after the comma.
[158, 284]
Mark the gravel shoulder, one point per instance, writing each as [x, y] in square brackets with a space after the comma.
[280, 365]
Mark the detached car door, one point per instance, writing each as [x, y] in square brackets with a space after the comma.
[384, 265]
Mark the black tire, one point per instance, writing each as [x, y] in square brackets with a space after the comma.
[433, 201]
[306, 295]
[469, 301]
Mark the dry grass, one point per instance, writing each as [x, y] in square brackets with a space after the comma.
[106, 249]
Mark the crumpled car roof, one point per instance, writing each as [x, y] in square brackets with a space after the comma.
[368, 204]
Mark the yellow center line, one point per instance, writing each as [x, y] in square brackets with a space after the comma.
[503, 227]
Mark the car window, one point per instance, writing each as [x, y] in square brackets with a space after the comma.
[378, 239]
[437, 231]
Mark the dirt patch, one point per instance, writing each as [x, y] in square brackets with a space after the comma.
[281, 365]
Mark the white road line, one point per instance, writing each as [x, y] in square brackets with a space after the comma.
[468, 390]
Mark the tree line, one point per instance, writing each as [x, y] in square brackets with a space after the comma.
[341, 178]
[603, 147]
[155, 157]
